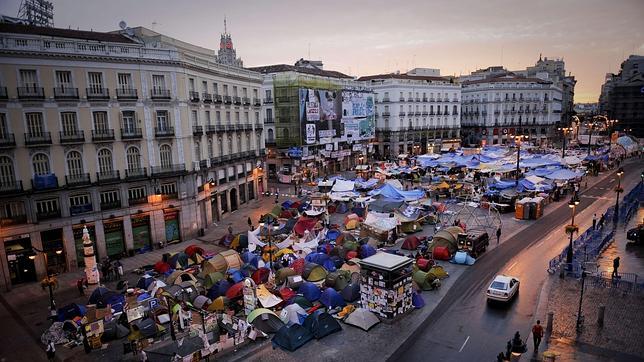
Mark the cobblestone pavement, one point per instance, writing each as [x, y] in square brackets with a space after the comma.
[623, 330]
[631, 256]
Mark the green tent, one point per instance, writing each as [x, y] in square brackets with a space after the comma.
[212, 278]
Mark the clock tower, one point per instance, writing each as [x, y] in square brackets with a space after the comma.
[227, 54]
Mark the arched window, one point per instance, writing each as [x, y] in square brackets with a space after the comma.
[248, 141]
[221, 147]
[104, 160]
[230, 145]
[239, 143]
[133, 158]
[74, 163]
[271, 135]
[165, 155]
[7, 177]
[41, 164]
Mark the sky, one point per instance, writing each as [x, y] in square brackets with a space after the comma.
[360, 37]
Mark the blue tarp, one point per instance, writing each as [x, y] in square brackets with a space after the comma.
[537, 162]
[502, 185]
[391, 192]
[525, 185]
[371, 183]
[563, 174]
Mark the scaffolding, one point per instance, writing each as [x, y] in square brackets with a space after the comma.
[37, 12]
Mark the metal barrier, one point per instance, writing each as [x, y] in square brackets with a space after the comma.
[624, 283]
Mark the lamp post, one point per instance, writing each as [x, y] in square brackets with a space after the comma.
[564, 131]
[581, 299]
[52, 302]
[271, 225]
[517, 142]
[572, 204]
[618, 189]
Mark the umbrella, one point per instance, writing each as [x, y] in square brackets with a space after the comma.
[235, 290]
[362, 318]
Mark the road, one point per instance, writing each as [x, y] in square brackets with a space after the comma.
[463, 327]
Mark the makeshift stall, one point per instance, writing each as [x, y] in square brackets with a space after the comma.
[386, 284]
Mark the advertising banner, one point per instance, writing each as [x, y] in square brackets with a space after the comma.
[320, 110]
[358, 115]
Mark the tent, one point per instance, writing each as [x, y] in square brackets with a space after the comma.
[309, 291]
[218, 305]
[235, 274]
[222, 262]
[282, 274]
[351, 292]
[71, 311]
[563, 174]
[218, 289]
[161, 267]
[264, 320]
[351, 265]
[417, 300]
[194, 249]
[154, 286]
[410, 243]
[362, 318]
[211, 279]
[302, 302]
[366, 251]
[103, 297]
[393, 193]
[331, 299]
[321, 324]
[200, 301]
[337, 279]
[250, 258]
[293, 314]
[180, 276]
[291, 337]
[144, 282]
[462, 257]
[235, 290]
[303, 224]
[179, 260]
[175, 291]
[287, 294]
[447, 238]
[333, 234]
[385, 205]
[424, 280]
[260, 276]
[146, 327]
[113, 330]
[314, 272]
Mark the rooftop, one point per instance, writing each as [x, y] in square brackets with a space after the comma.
[281, 68]
[64, 33]
[507, 79]
[404, 77]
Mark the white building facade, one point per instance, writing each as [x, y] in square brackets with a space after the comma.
[416, 112]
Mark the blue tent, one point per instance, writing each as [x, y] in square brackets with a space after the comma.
[250, 258]
[321, 324]
[70, 311]
[417, 300]
[235, 274]
[291, 337]
[144, 282]
[317, 258]
[310, 291]
[331, 298]
[366, 251]
[502, 185]
[332, 234]
[142, 297]
[218, 289]
[393, 193]
[103, 297]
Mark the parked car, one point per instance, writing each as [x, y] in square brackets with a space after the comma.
[503, 288]
[636, 234]
[475, 242]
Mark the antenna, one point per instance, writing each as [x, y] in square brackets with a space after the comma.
[122, 24]
[309, 53]
[37, 12]
[225, 26]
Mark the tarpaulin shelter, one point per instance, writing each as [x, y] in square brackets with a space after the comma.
[71, 311]
[200, 301]
[385, 205]
[351, 292]
[310, 291]
[218, 289]
[161, 267]
[362, 318]
[144, 281]
[563, 174]
[179, 260]
[291, 337]
[390, 192]
[314, 272]
[194, 249]
[411, 243]
[266, 298]
[293, 314]
[212, 278]
[114, 330]
[265, 320]
[304, 224]
[321, 324]
[331, 298]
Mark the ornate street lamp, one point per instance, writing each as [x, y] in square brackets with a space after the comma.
[564, 131]
[48, 281]
[572, 204]
[618, 189]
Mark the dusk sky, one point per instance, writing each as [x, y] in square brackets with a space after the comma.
[369, 37]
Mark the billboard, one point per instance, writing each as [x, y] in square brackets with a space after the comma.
[320, 115]
[358, 115]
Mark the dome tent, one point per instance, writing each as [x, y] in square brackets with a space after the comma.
[331, 299]
[321, 324]
[310, 291]
[291, 337]
[265, 320]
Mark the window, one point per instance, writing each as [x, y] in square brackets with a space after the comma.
[35, 126]
[235, 91]
[28, 78]
[165, 155]
[191, 85]
[3, 126]
[104, 160]
[239, 143]
[158, 82]
[63, 79]
[74, 163]
[79, 200]
[245, 92]
[133, 158]
[95, 80]
[12, 210]
[7, 176]
[208, 120]
[41, 164]
[68, 123]
[48, 206]
[269, 94]
[195, 118]
[215, 88]
[236, 117]
[225, 89]
[271, 135]
[218, 117]
[169, 188]
[100, 122]
[227, 117]
[163, 124]
[204, 86]
[128, 120]
[221, 147]
[110, 198]
[136, 194]
[197, 151]
[124, 81]
[211, 151]
[269, 115]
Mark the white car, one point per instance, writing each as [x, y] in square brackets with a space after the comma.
[503, 288]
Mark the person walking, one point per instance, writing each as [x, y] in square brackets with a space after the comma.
[119, 269]
[80, 284]
[615, 268]
[594, 221]
[51, 350]
[537, 334]
[250, 224]
[498, 235]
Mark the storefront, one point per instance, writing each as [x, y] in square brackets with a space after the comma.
[114, 239]
[172, 230]
[223, 201]
[142, 239]
[52, 244]
[78, 243]
[21, 268]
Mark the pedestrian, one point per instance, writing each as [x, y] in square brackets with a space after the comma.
[144, 356]
[250, 224]
[119, 269]
[80, 284]
[230, 229]
[51, 350]
[615, 268]
[498, 235]
[537, 334]
[594, 221]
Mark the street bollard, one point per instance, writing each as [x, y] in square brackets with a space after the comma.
[600, 316]
[551, 316]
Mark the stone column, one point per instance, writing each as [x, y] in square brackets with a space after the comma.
[100, 238]
[69, 244]
[127, 233]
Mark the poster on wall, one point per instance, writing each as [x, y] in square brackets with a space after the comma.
[358, 115]
[310, 133]
[171, 218]
[320, 110]
[114, 242]
[141, 233]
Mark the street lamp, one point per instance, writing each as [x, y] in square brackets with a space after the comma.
[52, 302]
[517, 142]
[618, 189]
[565, 131]
[572, 204]
[270, 225]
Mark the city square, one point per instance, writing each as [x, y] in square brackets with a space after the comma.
[168, 197]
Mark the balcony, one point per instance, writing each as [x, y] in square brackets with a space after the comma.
[102, 135]
[164, 132]
[41, 139]
[136, 173]
[216, 98]
[385, 100]
[168, 170]
[210, 128]
[438, 113]
[246, 101]
[227, 99]
[138, 201]
[98, 94]
[401, 114]
[424, 99]
[62, 93]
[270, 142]
[439, 99]
[116, 204]
[3, 93]
[237, 100]
[245, 127]
[197, 130]
[131, 133]
[269, 120]
[386, 114]
[33, 93]
[425, 113]
[432, 100]
[10, 186]
[48, 214]
[80, 209]
[417, 99]
[222, 127]
[207, 97]
[13, 220]
[72, 136]
[105, 177]
[81, 179]
[215, 161]
[160, 94]
[44, 182]
[417, 113]
[124, 94]
[203, 164]
[257, 102]
[194, 96]
[268, 100]
[7, 140]
[410, 99]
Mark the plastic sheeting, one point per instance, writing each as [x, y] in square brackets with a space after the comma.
[380, 222]
[343, 186]
[392, 193]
